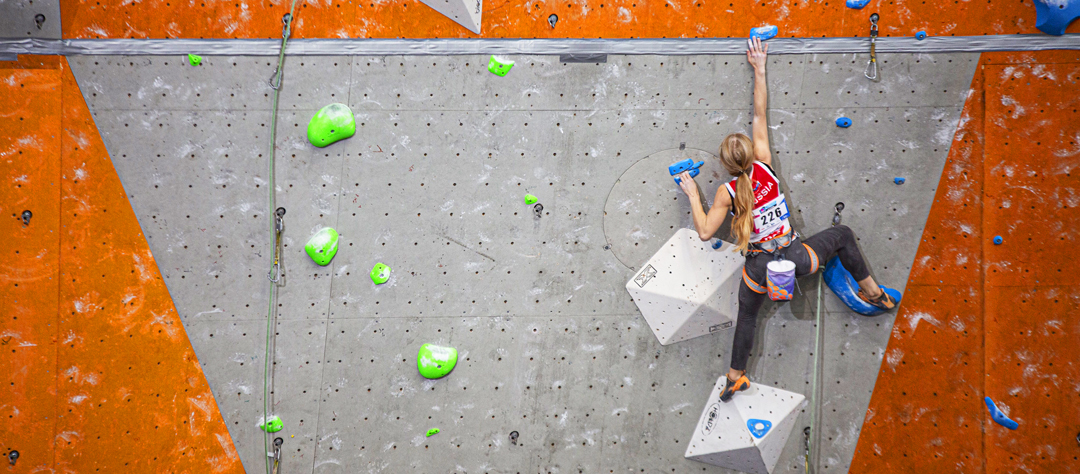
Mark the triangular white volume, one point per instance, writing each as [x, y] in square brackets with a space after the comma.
[687, 289]
[465, 12]
[724, 438]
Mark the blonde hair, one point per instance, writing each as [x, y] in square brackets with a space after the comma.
[736, 154]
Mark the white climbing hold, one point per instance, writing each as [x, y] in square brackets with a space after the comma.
[466, 13]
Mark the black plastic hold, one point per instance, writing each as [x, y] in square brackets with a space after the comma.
[26, 215]
[553, 19]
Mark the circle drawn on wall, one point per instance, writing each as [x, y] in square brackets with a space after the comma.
[645, 207]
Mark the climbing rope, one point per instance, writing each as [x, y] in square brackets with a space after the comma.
[817, 347]
[818, 329]
[276, 227]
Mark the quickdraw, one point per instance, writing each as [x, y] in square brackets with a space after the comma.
[871, 65]
[286, 31]
[276, 454]
[279, 228]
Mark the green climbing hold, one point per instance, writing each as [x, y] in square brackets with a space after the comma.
[330, 124]
[530, 199]
[322, 246]
[380, 273]
[499, 67]
[436, 361]
[194, 59]
[273, 425]
[433, 431]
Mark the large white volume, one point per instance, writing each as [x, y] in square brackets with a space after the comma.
[747, 433]
[465, 12]
[688, 289]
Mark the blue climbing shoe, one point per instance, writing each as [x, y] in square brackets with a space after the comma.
[885, 301]
[733, 386]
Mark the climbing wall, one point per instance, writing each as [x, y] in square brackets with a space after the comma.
[432, 184]
[992, 320]
[99, 361]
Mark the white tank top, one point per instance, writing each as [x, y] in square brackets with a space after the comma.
[770, 207]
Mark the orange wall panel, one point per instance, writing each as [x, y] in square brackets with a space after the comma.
[30, 267]
[529, 19]
[1033, 201]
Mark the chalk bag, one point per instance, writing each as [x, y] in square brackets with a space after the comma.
[781, 280]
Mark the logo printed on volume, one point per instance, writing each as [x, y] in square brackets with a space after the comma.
[645, 276]
[710, 419]
[717, 327]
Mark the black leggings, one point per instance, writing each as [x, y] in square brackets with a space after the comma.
[807, 256]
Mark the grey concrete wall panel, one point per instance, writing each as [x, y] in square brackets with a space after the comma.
[433, 185]
[20, 19]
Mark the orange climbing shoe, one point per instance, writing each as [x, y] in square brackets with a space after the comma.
[884, 301]
[733, 386]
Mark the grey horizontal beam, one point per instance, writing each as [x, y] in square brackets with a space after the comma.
[443, 47]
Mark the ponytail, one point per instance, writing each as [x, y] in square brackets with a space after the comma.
[743, 224]
[737, 157]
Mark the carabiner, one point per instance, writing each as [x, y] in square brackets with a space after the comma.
[871, 71]
[839, 207]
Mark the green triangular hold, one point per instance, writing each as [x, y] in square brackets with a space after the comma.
[433, 431]
[530, 199]
[436, 361]
[273, 425]
[332, 123]
[322, 246]
[499, 67]
[194, 59]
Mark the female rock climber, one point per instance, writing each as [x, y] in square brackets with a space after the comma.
[761, 228]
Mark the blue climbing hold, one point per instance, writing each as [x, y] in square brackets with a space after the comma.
[998, 240]
[764, 32]
[843, 122]
[920, 35]
[757, 427]
[898, 181]
[844, 286]
[1053, 16]
[857, 4]
[998, 416]
[685, 165]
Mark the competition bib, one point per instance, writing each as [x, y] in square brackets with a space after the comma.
[770, 217]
